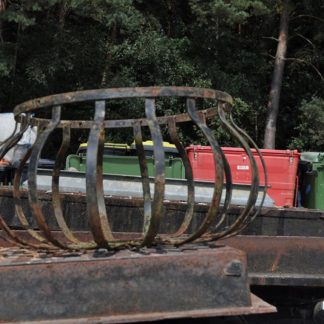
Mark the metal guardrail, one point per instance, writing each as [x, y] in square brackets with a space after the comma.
[210, 228]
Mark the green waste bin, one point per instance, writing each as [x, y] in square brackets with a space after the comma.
[125, 164]
[109, 149]
[170, 150]
[312, 180]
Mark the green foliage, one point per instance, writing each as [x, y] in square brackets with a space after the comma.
[311, 127]
[231, 13]
[51, 46]
[243, 116]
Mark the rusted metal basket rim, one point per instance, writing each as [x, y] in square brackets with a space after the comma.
[123, 123]
[119, 93]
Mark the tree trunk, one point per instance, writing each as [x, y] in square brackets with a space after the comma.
[276, 83]
[108, 55]
[63, 12]
[3, 4]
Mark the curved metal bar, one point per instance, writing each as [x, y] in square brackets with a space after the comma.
[255, 175]
[94, 182]
[254, 186]
[126, 123]
[32, 177]
[21, 216]
[189, 176]
[159, 165]
[144, 174]
[228, 191]
[17, 199]
[228, 186]
[243, 133]
[219, 169]
[115, 93]
[19, 241]
[59, 163]
[11, 235]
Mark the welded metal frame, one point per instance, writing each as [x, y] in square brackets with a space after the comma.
[210, 228]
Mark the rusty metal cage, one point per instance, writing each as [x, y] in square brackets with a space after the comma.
[211, 227]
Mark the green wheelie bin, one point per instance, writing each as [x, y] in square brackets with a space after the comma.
[312, 180]
[122, 159]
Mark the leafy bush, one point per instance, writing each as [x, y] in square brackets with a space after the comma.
[310, 131]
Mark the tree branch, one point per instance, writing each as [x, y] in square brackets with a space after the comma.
[306, 39]
[272, 38]
[307, 16]
[307, 63]
[273, 57]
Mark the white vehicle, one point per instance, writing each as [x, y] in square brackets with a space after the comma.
[8, 127]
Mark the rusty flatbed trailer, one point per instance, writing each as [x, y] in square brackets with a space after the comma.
[126, 286]
[146, 276]
[284, 247]
[271, 221]
[288, 272]
[283, 261]
[285, 271]
[284, 266]
[63, 260]
[273, 261]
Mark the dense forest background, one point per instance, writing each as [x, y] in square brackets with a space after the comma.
[52, 46]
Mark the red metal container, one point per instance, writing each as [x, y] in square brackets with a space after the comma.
[281, 167]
